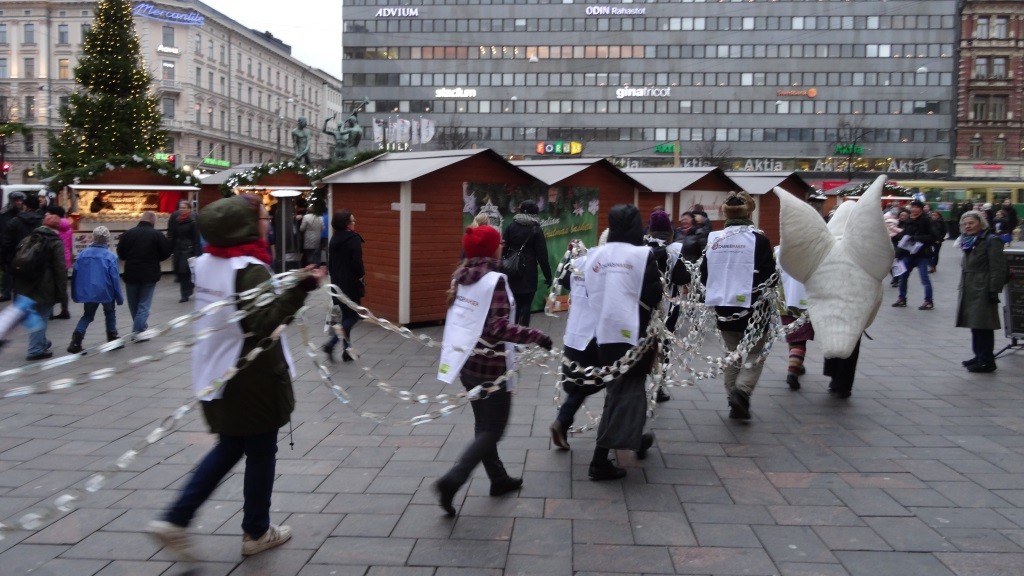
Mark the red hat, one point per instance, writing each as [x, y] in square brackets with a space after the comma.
[481, 241]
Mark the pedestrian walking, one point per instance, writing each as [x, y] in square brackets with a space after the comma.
[795, 298]
[345, 264]
[43, 278]
[914, 248]
[982, 277]
[15, 205]
[96, 283]
[481, 307]
[938, 237]
[310, 228]
[525, 237]
[183, 232]
[249, 408]
[623, 287]
[142, 248]
[736, 271]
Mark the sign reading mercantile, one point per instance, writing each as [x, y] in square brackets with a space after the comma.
[190, 18]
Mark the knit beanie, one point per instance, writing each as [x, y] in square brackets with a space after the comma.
[481, 242]
[660, 222]
[100, 235]
[738, 206]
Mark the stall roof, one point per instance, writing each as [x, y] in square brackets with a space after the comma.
[222, 176]
[669, 180]
[554, 171]
[404, 166]
[134, 187]
[759, 183]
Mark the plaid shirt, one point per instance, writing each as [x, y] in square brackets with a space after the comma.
[498, 327]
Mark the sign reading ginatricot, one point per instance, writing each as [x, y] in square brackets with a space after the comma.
[643, 92]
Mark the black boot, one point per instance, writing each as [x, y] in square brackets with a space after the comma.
[501, 482]
[76, 342]
[111, 336]
[445, 494]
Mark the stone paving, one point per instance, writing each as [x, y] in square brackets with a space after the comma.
[919, 473]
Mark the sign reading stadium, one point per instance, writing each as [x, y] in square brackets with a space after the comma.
[455, 93]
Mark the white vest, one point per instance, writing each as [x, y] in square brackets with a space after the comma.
[582, 322]
[219, 352]
[464, 325]
[614, 278]
[730, 260]
[793, 289]
[674, 250]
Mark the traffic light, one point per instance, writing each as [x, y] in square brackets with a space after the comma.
[4, 170]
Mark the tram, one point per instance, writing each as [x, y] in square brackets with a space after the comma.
[941, 194]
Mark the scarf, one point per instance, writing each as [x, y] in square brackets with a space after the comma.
[967, 242]
[259, 250]
[183, 217]
[686, 229]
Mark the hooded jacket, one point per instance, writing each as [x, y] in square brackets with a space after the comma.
[345, 263]
[525, 232]
[18, 228]
[52, 285]
[259, 398]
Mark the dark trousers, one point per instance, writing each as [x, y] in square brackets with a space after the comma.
[349, 318]
[490, 416]
[843, 370]
[185, 285]
[6, 284]
[983, 342]
[576, 394]
[260, 452]
[524, 303]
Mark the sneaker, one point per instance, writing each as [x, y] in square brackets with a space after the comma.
[329, 351]
[445, 495]
[274, 536]
[662, 396]
[794, 381]
[901, 303]
[646, 441]
[605, 471]
[558, 435]
[967, 363]
[346, 357]
[982, 367]
[739, 401]
[927, 305]
[41, 356]
[172, 537]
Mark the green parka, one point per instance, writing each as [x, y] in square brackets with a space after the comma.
[982, 274]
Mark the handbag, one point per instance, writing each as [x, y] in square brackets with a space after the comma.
[513, 264]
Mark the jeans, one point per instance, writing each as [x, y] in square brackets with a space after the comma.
[109, 316]
[37, 342]
[983, 342]
[524, 304]
[140, 297]
[260, 452]
[921, 263]
[490, 416]
[349, 318]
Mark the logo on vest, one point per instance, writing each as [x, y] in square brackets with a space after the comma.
[597, 267]
[717, 244]
[469, 301]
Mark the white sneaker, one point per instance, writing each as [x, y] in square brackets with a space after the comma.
[274, 536]
[172, 537]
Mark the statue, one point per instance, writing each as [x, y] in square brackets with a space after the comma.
[301, 138]
[348, 134]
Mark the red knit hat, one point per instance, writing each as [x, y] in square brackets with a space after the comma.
[481, 241]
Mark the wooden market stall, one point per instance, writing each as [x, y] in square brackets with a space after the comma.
[677, 190]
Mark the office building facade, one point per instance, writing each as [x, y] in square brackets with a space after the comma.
[831, 87]
[990, 114]
[228, 94]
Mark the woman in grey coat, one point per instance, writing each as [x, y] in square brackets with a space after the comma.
[982, 276]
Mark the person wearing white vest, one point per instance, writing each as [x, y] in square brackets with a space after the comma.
[481, 307]
[738, 259]
[249, 408]
[796, 304]
[623, 287]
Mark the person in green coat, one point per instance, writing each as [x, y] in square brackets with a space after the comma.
[247, 411]
[982, 276]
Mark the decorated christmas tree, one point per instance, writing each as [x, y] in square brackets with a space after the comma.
[112, 112]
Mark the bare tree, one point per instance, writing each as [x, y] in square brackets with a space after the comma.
[713, 153]
[453, 135]
[848, 142]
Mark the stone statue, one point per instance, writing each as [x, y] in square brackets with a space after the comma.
[302, 136]
[347, 135]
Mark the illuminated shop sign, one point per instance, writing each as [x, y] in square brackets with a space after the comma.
[216, 162]
[642, 92]
[763, 165]
[168, 49]
[455, 93]
[614, 11]
[809, 93]
[666, 148]
[191, 18]
[398, 13]
[849, 149]
[164, 157]
[560, 147]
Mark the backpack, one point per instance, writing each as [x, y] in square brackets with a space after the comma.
[31, 257]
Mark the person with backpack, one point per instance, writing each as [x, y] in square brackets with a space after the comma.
[525, 245]
[41, 276]
[15, 205]
[94, 283]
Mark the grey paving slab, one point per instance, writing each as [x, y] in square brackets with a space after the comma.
[917, 473]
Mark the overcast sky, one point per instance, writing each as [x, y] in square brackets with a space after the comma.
[311, 27]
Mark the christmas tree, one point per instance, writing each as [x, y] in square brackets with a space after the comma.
[112, 113]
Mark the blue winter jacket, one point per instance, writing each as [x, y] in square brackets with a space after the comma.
[96, 278]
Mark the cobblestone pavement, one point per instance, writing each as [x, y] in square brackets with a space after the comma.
[919, 473]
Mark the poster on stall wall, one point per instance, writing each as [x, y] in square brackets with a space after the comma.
[711, 202]
[566, 213]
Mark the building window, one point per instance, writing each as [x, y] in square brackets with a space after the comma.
[199, 77]
[4, 72]
[64, 69]
[62, 102]
[999, 28]
[168, 36]
[981, 29]
[209, 49]
[30, 108]
[209, 81]
[86, 28]
[168, 107]
[199, 150]
[199, 44]
[999, 148]
[209, 116]
[223, 55]
[63, 36]
[199, 116]
[30, 34]
[974, 148]
[999, 68]
[30, 68]
[997, 108]
[3, 33]
[168, 68]
[980, 68]
[30, 143]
